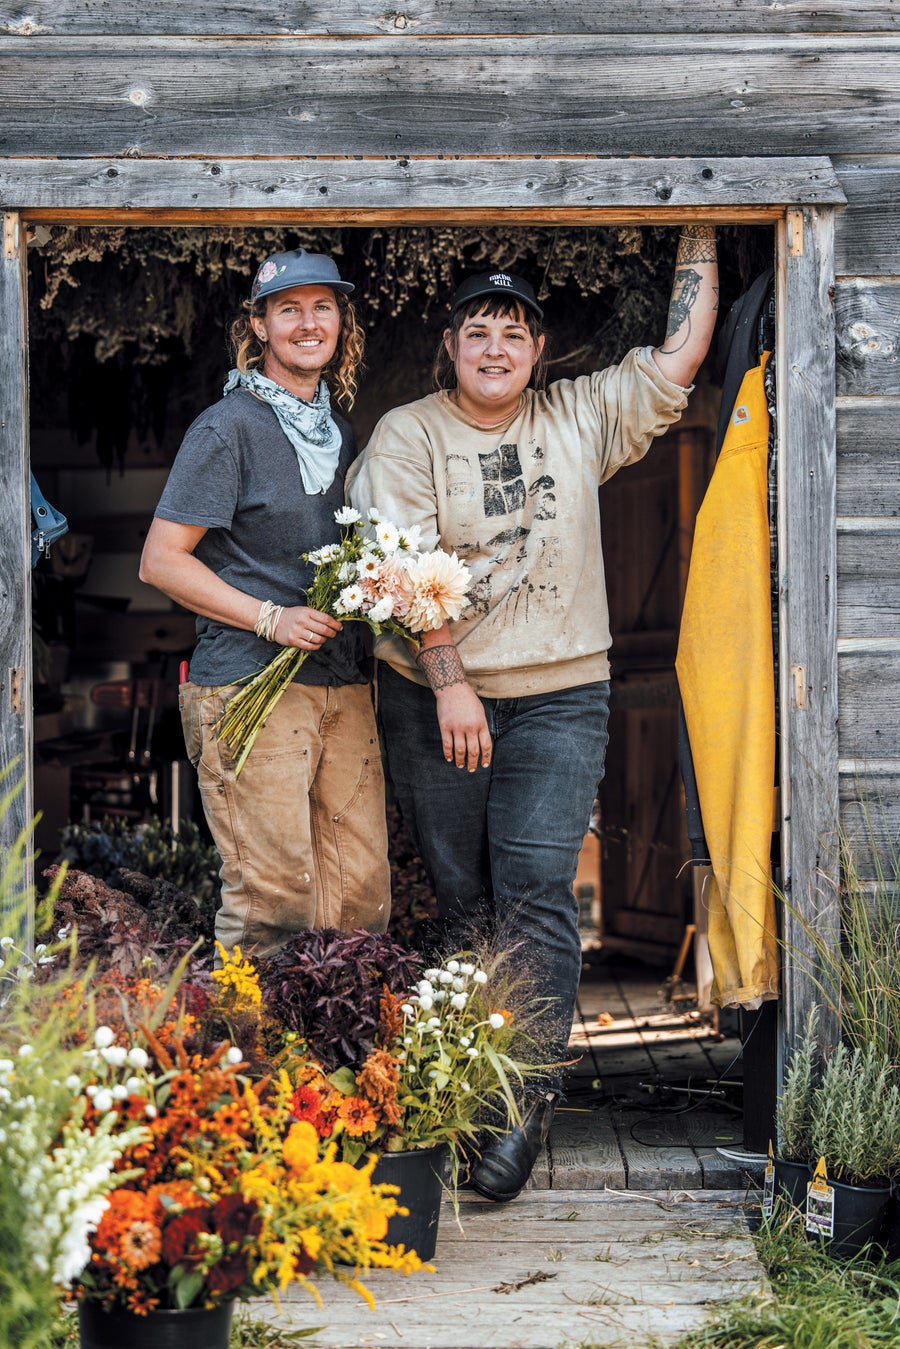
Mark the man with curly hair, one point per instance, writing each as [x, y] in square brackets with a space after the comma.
[255, 484]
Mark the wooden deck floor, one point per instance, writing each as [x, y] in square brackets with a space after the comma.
[634, 1225]
[639, 1113]
[552, 1269]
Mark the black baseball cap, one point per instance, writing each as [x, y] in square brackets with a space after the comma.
[496, 283]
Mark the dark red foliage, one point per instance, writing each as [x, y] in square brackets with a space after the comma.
[327, 986]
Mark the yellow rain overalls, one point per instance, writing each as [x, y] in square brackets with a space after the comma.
[725, 667]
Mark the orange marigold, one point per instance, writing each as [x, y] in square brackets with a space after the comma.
[125, 1231]
[301, 1147]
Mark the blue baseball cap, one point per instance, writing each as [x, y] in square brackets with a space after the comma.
[515, 288]
[297, 268]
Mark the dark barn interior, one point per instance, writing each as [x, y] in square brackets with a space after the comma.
[128, 344]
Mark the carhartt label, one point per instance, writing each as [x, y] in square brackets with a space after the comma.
[740, 415]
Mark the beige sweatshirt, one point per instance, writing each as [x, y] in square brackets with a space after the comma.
[519, 505]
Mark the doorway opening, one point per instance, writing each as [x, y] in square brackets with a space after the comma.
[128, 344]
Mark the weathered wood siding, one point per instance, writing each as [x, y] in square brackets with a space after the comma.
[867, 304]
[15, 519]
[99, 89]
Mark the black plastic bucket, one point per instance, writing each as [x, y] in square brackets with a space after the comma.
[193, 1328]
[420, 1176]
[791, 1180]
[859, 1212]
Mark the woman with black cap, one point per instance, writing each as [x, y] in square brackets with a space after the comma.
[496, 730]
[255, 484]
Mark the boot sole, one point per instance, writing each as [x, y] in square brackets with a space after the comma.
[497, 1197]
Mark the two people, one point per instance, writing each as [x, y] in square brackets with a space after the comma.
[495, 732]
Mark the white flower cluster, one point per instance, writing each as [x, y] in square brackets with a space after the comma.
[444, 1028]
[16, 964]
[63, 1168]
[382, 576]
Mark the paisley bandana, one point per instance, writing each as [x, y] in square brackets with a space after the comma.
[309, 427]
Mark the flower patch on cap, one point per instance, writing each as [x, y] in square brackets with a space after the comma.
[266, 272]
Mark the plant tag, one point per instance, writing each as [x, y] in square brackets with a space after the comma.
[768, 1198]
[820, 1203]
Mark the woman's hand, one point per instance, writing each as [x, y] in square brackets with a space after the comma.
[306, 629]
[464, 729]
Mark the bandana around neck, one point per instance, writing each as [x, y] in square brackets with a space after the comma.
[309, 427]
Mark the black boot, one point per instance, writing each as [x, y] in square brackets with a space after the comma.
[507, 1162]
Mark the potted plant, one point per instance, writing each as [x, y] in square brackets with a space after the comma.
[223, 1194]
[793, 1118]
[423, 1083]
[855, 1127]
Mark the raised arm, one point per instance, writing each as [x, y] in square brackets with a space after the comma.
[693, 306]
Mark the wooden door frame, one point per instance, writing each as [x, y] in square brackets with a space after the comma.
[798, 196]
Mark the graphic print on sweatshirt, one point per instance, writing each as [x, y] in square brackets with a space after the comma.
[501, 473]
[505, 494]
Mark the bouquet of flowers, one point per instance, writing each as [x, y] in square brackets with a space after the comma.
[375, 575]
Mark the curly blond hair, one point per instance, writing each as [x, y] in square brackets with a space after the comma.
[248, 351]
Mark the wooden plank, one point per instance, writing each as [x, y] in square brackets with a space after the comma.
[807, 604]
[584, 1151]
[870, 815]
[866, 233]
[869, 577]
[16, 732]
[868, 463]
[869, 685]
[545, 1325]
[41, 18]
[599, 95]
[868, 336]
[130, 186]
[648, 1166]
[587, 1267]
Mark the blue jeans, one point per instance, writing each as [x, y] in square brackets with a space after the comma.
[501, 844]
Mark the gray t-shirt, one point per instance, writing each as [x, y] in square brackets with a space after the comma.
[237, 475]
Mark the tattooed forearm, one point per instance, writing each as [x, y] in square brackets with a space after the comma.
[441, 666]
[697, 243]
[685, 289]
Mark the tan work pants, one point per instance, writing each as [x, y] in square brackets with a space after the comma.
[301, 831]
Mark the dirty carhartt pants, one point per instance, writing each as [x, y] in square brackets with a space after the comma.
[301, 831]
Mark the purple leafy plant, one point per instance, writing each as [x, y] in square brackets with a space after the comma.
[327, 986]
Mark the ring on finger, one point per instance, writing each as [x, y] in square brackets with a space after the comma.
[310, 636]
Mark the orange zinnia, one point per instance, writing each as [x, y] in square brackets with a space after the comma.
[356, 1115]
[141, 1245]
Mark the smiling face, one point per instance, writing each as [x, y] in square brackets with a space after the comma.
[300, 331]
[493, 355]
